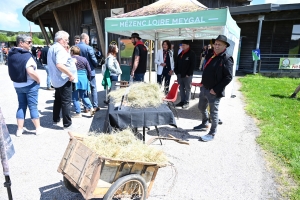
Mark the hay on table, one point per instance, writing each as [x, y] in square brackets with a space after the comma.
[124, 145]
[140, 95]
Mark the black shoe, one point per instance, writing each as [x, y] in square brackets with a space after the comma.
[293, 95]
[180, 104]
[186, 106]
[201, 127]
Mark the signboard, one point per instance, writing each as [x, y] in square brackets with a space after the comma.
[126, 48]
[6, 146]
[289, 63]
[116, 11]
[256, 54]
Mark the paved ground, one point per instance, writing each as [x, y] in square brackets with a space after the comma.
[230, 167]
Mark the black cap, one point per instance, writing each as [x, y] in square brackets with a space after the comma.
[135, 35]
[222, 38]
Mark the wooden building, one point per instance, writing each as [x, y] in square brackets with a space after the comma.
[280, 34]
[77, 16]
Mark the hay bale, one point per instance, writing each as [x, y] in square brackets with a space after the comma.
[140, 95]
[124, 145]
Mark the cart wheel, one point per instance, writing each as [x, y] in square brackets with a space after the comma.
[132, 186]
[69, 186]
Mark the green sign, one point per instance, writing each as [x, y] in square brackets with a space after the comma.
[289, 63]
[177, 20]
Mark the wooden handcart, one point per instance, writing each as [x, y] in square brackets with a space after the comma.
[95, 176]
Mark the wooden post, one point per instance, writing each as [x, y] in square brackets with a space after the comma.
[51, 33]
[44, 32]
[98, 25]
[57, 20]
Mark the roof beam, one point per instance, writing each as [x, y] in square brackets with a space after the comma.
[52, 6]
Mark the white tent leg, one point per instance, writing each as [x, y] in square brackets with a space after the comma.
[155, 51]
[106, 50]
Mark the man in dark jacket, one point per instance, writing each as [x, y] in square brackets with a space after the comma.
[88, 52]
[139, 58]
[217, 73]
[184, 69]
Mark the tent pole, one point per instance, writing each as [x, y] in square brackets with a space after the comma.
[155, 50]
[106, 50]
[106, 43]
[150, 68]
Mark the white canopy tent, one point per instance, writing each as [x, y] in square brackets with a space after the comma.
[201, 23]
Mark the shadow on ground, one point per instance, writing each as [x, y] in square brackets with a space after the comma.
[58, 191]
[283, 97]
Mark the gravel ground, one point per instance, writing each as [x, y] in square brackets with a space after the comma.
[230, 167]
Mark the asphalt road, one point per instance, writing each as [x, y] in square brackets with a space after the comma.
[230, 167]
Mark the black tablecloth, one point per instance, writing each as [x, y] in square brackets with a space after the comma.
[134, 117]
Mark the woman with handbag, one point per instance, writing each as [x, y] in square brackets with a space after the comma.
[82, 87]
[112, 63]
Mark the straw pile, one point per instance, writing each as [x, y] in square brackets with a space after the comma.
[124, 145]
[140, 95]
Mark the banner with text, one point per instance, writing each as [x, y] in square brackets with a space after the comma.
[289, 63]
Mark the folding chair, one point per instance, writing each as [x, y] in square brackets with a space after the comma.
[172, 96]
[195, 85]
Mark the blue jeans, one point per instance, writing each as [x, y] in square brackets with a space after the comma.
[205, 99]
[48, 76]
[114, 78]
[139, 77]
[85, 99]
[94, 92]
[28, 96]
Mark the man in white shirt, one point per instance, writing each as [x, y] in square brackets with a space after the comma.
[63, 72]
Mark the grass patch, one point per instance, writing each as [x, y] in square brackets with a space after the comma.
[278, 119]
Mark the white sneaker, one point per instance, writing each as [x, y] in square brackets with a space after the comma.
[39, 131]
[92, 112]
[19, 132]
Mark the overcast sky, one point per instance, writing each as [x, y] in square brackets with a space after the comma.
[11, 18]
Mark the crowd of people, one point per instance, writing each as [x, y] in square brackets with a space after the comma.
[71, 72]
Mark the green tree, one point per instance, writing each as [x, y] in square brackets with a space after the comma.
[36, 40]
[9, 33]
[3, 38]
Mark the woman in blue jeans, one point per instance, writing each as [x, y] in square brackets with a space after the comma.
[82, 87]
[112, 64]
[22, 71]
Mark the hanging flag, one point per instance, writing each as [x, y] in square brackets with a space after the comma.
[6, 146]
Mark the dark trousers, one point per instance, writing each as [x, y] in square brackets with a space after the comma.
[205, 99]
[166, 78]
[114, 78]
[62, 101]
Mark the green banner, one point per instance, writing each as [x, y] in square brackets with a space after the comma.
[289, 63]
[205, 18]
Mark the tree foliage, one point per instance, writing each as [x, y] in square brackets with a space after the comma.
[3, 38]
[36, 40]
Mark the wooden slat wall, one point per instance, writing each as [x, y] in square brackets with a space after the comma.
[275, 39]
